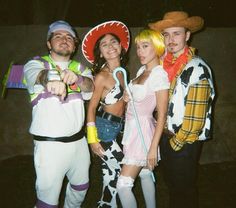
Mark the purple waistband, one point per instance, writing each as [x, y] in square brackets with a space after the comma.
[46, 95]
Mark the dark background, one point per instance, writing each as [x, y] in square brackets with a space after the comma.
[23, 27]
[135, 13]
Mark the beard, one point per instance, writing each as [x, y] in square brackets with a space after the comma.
[63, 51]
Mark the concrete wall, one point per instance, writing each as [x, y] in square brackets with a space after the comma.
[216, 46]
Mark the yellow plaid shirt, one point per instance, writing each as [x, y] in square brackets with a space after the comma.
[195, 114]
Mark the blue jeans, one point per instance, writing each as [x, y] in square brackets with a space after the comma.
[111, 162]
[107, 130]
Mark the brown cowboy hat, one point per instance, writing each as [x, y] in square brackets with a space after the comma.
[178, 19]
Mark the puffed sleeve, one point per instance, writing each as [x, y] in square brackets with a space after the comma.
[159, 79]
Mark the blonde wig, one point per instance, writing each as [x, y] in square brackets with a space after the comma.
[152, 36]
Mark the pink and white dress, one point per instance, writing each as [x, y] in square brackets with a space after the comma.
[144, 99]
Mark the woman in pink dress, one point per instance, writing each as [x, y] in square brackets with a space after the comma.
[149, 90]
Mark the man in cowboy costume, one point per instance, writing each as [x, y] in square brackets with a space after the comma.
[190, 104]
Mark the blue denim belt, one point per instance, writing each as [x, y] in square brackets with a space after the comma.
[101, 113]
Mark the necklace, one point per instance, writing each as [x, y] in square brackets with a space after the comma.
[109, 69]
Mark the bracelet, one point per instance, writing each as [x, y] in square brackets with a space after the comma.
[91, 124]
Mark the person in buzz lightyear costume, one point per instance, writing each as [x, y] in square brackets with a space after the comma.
[58, 87]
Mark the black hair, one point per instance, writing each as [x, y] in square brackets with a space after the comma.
[100, 61]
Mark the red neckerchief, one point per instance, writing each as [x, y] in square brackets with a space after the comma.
[173, 64]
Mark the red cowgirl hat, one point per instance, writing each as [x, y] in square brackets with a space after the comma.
[115, 27]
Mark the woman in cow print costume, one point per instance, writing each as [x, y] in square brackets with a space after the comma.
[105, 46]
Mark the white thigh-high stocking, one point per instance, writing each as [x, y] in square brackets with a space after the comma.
[124, 189]
[148, 187]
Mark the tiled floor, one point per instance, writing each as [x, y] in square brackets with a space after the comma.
[217, 185]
